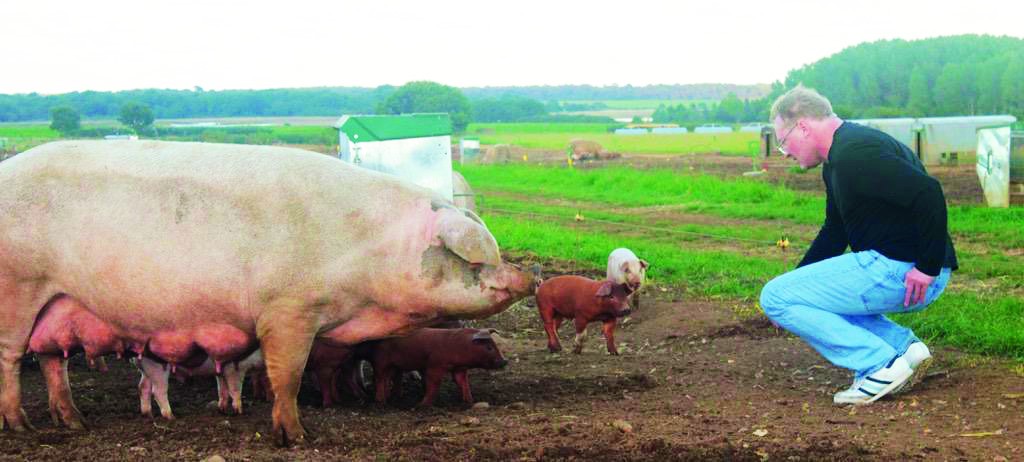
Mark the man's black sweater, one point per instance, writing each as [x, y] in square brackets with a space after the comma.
[879, 197]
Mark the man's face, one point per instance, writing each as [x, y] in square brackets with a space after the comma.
[794, 142]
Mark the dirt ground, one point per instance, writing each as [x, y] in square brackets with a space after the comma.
[697, 380]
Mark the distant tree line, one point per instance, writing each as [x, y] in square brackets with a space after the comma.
[712, 91]
[729, 110]
[172, 104]
[331, 101]
[957, 75]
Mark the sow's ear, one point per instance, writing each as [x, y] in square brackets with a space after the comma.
[472, 216]
[643, 264]
[605, 289]
[468, 239]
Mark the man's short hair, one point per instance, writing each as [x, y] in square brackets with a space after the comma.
[801, 102]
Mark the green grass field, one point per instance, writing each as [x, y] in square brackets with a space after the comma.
[558, 136]
[24, 136]
[532, 209]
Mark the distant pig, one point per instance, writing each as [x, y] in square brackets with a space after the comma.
[583, 300]
[434, 352]
[625, 268]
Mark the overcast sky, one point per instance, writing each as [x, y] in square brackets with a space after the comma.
[56, 47]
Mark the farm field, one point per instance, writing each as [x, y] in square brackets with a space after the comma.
[702, 374]
[558, 136]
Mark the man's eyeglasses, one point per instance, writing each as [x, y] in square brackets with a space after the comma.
[782, 141]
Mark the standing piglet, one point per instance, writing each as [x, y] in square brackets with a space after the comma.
[434, 352]
[626, 269]
[328, 363]
[583, 300]
[154, 381]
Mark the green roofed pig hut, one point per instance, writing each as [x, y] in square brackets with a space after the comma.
[414, 147]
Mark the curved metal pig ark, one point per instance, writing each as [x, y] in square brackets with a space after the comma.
[194, 248]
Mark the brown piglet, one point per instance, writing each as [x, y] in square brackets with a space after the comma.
[584, 301]
[434, 353]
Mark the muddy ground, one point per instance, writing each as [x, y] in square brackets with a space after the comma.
[697, 380]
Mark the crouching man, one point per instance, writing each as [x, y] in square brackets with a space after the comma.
[883, 205]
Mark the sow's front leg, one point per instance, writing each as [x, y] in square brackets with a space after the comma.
[286, 337]
[19, 306]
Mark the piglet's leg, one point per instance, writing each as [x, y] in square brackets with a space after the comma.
[261, 385]
[382, 378]
[551, 322]
[609, 336]
[350, 371]
[581, 335]
[461, 378]
[145, 395]
[157, 375]
[325, 379]
[433, 382]
[62, 408]
[235, 378]
[223, 395]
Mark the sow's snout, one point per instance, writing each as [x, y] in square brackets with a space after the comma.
[511, 282]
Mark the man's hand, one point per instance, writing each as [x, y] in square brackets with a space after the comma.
[917, 286]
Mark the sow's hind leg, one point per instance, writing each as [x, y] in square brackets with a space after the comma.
[62, 407]
[19, 305]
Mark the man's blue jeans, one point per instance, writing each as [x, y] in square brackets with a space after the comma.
[837, 306]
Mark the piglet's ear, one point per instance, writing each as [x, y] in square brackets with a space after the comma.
[467, 238]
[482, 335]
[605, 289]
[643, 264]
[624, 267]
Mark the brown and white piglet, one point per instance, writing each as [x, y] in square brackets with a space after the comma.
[584, 301]
[435, 353]
[153, 383]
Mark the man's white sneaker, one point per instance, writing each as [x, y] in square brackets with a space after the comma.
[877, 385]
[920, 360]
